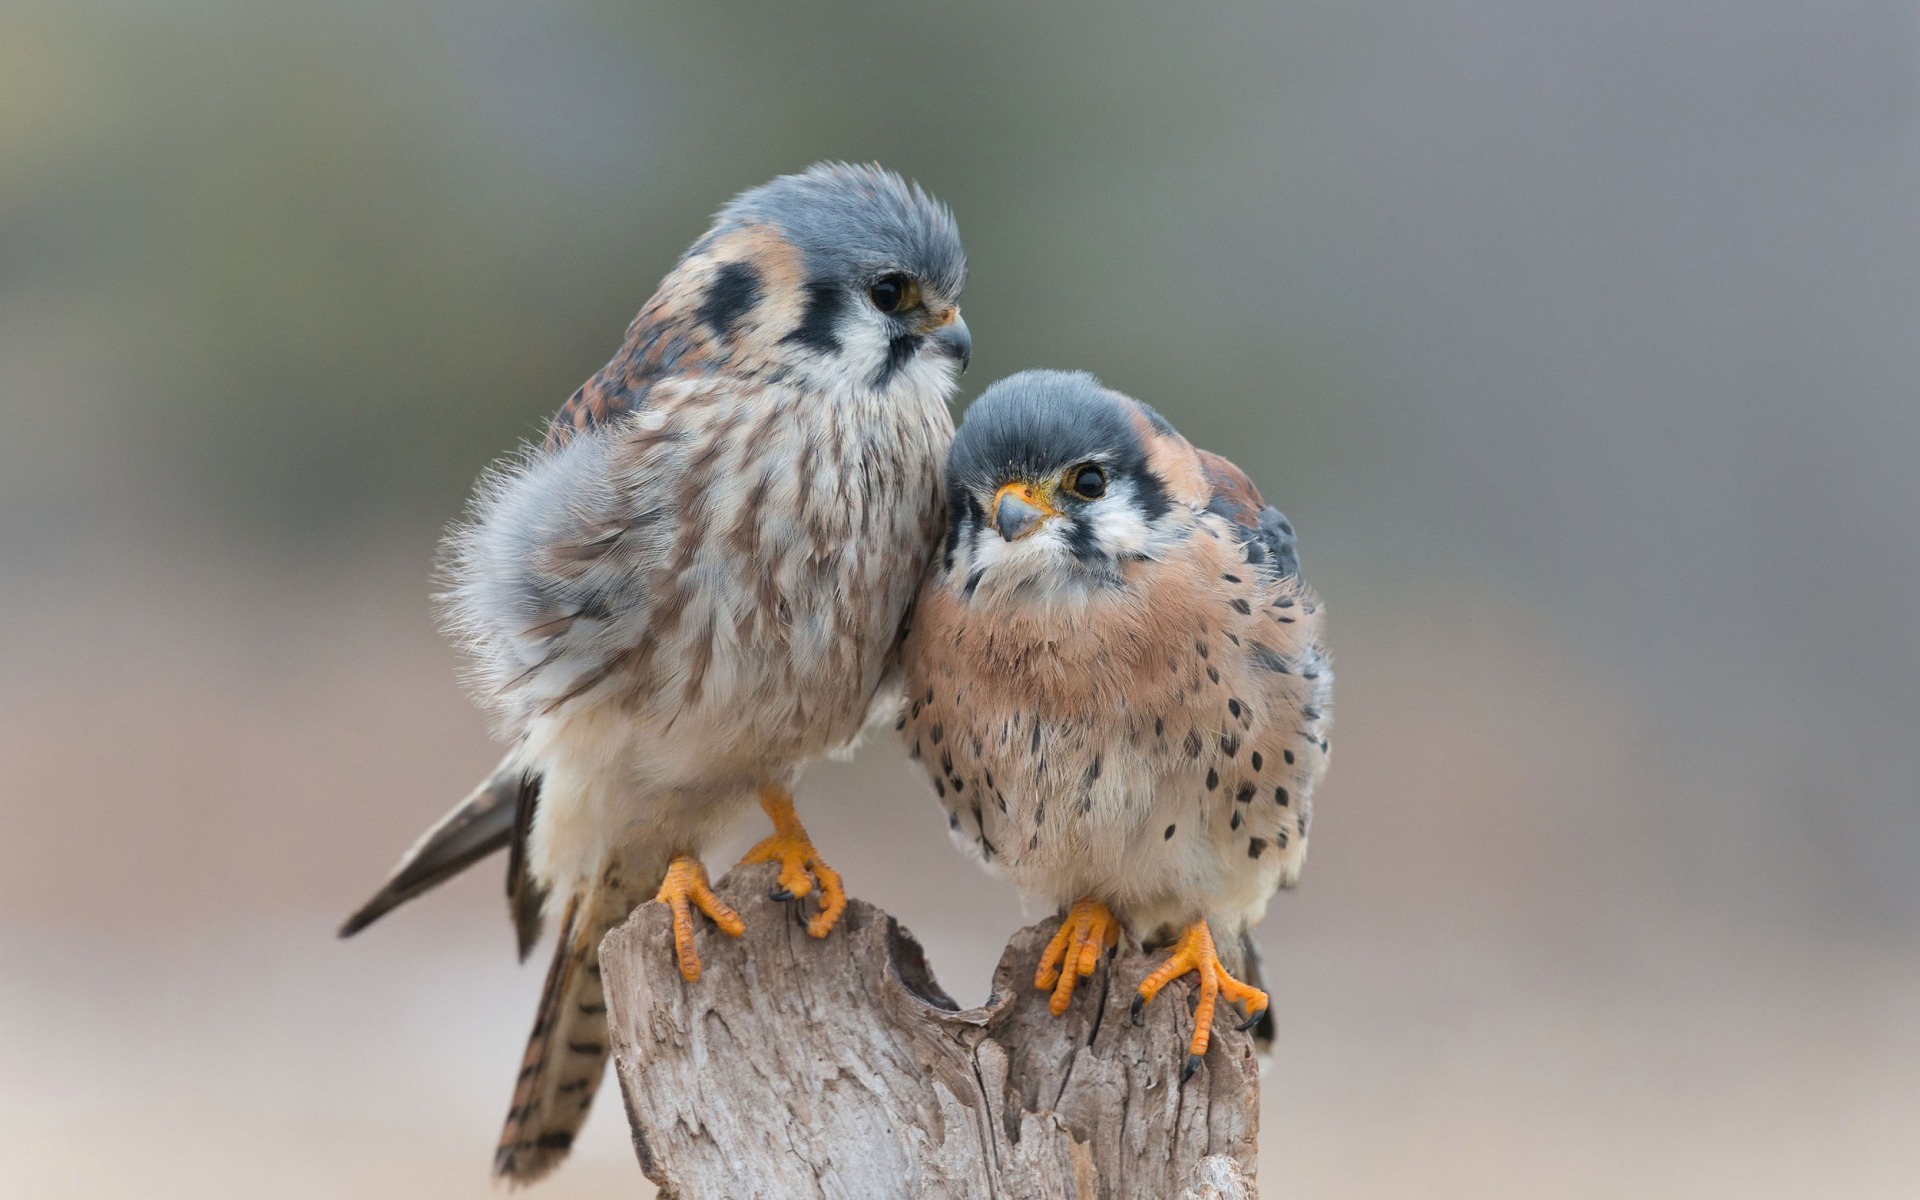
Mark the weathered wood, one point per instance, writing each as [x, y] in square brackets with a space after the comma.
[838, 1069]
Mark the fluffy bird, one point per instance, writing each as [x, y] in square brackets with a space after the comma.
[696, 585]
[1116, 681]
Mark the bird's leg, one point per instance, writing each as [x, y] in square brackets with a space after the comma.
[683, 890]
[1088, 930]
[1195, 952]
[800, 864]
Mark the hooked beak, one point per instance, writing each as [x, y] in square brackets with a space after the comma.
[950, 335]
[1019, 509]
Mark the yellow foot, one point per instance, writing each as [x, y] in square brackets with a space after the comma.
[1195, 953]
[1088, 930]
[800, 864]
[685, 889]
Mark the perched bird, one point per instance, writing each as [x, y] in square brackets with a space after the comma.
[697, 584]
[1116, 681]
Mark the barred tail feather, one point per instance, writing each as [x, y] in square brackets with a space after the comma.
[566, 1054]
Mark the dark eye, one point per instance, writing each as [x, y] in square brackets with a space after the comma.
[1087, 481]
[894, 293]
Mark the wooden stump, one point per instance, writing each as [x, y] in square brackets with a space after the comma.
[838, 1069]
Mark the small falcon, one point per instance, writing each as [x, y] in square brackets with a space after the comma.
[1116, 681]
[696, 585]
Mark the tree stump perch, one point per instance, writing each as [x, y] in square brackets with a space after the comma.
[838, 1069]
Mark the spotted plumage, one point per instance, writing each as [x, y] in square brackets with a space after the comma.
[1124, 661]
[697, 583]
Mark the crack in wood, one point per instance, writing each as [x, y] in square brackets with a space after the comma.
[838, 1069]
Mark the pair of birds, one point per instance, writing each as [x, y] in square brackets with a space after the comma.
[755, 530]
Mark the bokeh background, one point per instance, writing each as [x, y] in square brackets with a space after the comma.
[1580, 341]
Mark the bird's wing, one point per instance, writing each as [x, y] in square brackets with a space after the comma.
[574, 566]
[526, 897]
[1295, 680]
[476, 827]
[660, 344]
[547, 564]
[1263, 529]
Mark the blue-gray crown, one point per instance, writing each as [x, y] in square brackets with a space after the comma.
[852, 222]
[1040, 421]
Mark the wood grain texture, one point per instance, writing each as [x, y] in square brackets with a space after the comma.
[838, 1069]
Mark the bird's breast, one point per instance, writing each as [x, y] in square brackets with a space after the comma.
[801, 564]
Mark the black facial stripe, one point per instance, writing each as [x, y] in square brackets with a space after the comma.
[900, 352]
[1149, 498]
[852, 223]
[1149, 494]
[964, 518]
[825, 302]
[1041, 425]
[730, 297]
[1080, 539]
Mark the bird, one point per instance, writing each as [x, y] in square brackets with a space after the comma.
[694, 585]
[1117, 682]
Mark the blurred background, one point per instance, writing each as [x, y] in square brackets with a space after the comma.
[1580, 342]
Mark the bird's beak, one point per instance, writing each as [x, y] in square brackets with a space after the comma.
[949, 333]
[1019, 509]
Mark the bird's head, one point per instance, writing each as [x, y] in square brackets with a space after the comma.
[840, 276]
[1055, 483]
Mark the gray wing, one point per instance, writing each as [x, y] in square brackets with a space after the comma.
[555, 577]
[1263, 530]
[476, 827]
[1271, 544]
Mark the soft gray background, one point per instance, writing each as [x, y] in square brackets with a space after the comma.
[1580, 341]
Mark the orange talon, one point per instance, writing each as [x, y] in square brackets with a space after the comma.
[1087, 931]
[683, 890]
[800, 864]
[1195, 952]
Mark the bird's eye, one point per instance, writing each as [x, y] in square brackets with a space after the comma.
[894, 293]
[1087, 481]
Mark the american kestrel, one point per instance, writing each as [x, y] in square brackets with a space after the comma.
[697, 584]
[1116, 680]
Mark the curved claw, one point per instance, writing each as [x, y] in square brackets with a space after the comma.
[801, 866]
[683, 890]
[1195, 953]
[1087, 932]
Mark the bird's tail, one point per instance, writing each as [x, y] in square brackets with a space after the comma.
[567, 1052]
[1250, 972]
[477, 826]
